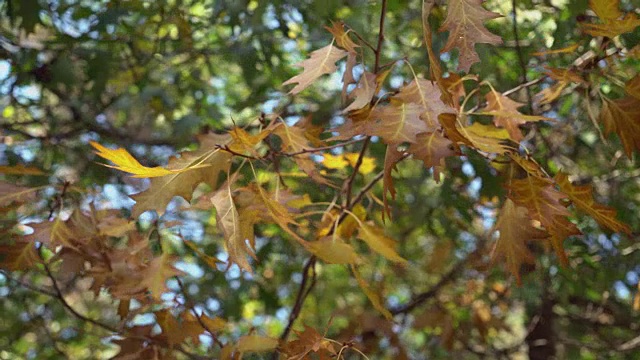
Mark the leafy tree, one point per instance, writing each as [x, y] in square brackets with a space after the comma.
[433, 179]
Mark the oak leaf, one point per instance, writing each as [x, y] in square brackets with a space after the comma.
[205, 166]
[379, 242]
[256, 343]
[612, 25]
[156, 274]
[363, 93]
[391, 158]
[333, 251]
[432, 148]
[308, 342]
[296, 139]
[505, 114]
[395, 123]
[564, 77]
[623, 117]
[228, 222]
[20, 255]
[125, 162]
[20, 169]
[515, 231]
[10, 193]
[545, 205]
[320, 62]
[582, 197]
[465, 23]
[375, 298]
[428, 95]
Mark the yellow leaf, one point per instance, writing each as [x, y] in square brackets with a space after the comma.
[256, 343]
[367, 166]
[373, 297]
[334, 162]
[20, 170]
[334, 251]
[125, 162]
[565, 50]
[606, 9]
[212, 261]
[582, 197]
[378, 242]
[320, 62]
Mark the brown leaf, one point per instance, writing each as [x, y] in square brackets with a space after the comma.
[391, 158]
[582, 197]
[428, 95]
[465, 23]
[320, 62]
[395, 123]
[228, 222]
[609, 12]
[207, 163]
[18, 256]
[10, 193]
[363, 93]
[505, 114]
[432, 148]
[156, 274]
[515, 229]
[544, 204]
[623, 117]
[296, 139]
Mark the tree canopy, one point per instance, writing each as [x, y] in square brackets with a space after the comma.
[341, 179]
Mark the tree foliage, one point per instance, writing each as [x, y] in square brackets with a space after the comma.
[319, 180]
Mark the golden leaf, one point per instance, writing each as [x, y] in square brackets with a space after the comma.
[334, 251]
[125, 162]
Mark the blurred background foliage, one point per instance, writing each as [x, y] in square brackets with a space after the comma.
[150, 75]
